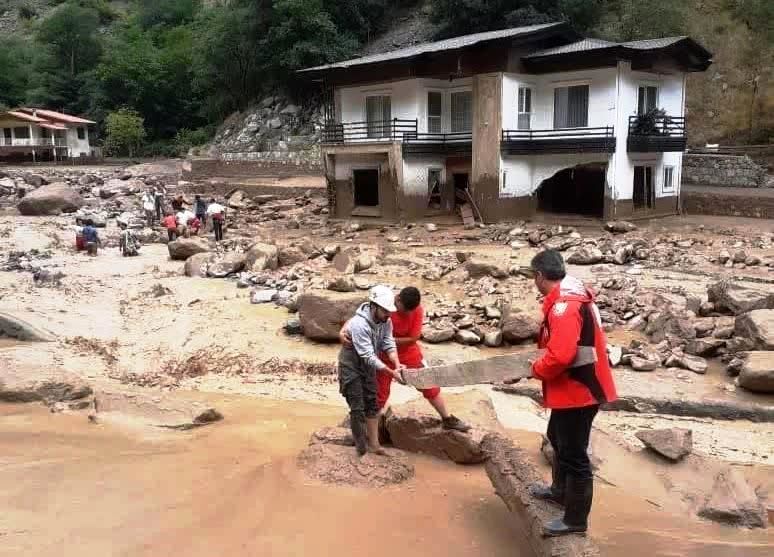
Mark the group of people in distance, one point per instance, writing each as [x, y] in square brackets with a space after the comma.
[179, 221]
[381, 341]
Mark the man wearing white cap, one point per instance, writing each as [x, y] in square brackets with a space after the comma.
[371, 333]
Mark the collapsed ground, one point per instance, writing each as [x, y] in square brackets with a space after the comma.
[234, 327]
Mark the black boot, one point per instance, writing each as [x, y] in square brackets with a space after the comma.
[578, 497]
[555, 491]
[359, 433]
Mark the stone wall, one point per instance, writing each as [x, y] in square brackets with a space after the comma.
[202, 169]
[724, 171]
[711, 201]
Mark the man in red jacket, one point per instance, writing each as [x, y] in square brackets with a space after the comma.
[576, 379]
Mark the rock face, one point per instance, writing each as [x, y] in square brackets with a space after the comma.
[757, 373]
[673, 443]
[227, 265]
[412, 428]
[183, 248]
[338, 464]
[261, 257]
[51, 200]
[323, 313]
[519, 327]
[758, 326]
[734, 501]
[737, 300]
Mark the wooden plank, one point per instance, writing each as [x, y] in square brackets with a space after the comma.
[475, 372]
[467, 215]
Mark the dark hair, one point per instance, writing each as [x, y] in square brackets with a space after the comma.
[409, 297]
[550, 264]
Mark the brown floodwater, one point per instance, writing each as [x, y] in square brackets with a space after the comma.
[68, 487]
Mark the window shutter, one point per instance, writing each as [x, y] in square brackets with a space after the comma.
[434, 112]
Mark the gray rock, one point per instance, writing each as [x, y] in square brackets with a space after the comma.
[464, 336]
[642, 364]
[261, 257]
[364, 262]
[183, 248]
[430, 227]
[758, 326]
[196, 265]
[229, 264]
[293, 327]
[493, 339]
[290, 255]
[737, 299]
[344, 261]
[263, 296]
[686, 361]
[322, 313]
[757, 373]
[291, 110]
[733, 501]
[477, 269]
[519, 327]
[342, 284]
[620, 227]
[673, 443]
[586, 255]
[275, 123]
[52, 199]
[614, 354]
[35, 180]
[437, 336]
[704, 346]
[492, 312]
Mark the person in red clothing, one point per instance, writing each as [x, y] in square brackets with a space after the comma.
[170, 223]
[407, 330]
[576, 378]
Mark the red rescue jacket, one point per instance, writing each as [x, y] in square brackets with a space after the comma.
[574, 369]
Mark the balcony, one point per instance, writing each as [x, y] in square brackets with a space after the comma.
[561, 140]
[656, 134]
[404, 131]
[33, 142]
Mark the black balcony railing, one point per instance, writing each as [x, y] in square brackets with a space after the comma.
[561, 140]
[375, 130]
[432, 143]
[649, 133]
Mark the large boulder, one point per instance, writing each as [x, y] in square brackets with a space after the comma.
[183, 248]
[477, 268]
[620, 227]
[733, 501]
[757, 373]
[437, 336]
[290, 255]
[322, 314]
[344, 261]
[673, 443]
[411, 428]
[758, 326]
[227, 265]
[115, 186]
[196, 265]
[519, 327]
[261, 257]
[51, 200]
[586, 255]
[736, 299]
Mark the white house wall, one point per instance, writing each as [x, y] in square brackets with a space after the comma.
[415, 172]
[78, 147]
[522, 175]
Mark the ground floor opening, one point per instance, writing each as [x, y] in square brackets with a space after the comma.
[579, 190]
[366, 187]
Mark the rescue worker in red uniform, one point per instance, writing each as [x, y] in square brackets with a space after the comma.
[576, 378]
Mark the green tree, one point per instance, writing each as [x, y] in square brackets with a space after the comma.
[71, 34]
[124, 132]
[169, 13]
[15, 70]
[629, 20]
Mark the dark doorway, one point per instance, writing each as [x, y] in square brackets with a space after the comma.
[643, 195]
[579, 190]
[461, 183]
[366, 183]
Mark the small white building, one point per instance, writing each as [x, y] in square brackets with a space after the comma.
[525, 119]
[39, 134]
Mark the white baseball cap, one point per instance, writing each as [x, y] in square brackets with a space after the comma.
[383, 297]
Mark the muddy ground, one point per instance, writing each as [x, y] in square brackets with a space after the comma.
[124, 487]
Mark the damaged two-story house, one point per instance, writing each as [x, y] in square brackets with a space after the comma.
[519, 120]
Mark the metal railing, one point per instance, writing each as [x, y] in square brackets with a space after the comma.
[663, 126]
[436, 138]
[558, 133]
[374, 130]
[33, 142]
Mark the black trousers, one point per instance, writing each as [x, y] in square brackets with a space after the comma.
[569, 431]
[217, 226]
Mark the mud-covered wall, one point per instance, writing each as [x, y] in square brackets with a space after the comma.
[487, 128]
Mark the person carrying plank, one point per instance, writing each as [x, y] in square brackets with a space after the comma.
[370, 332]
[407, 329]
[576, 379]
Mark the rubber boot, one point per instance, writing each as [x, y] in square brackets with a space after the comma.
[555, 491]
[358, 425]
[372, 426]
[578, 498]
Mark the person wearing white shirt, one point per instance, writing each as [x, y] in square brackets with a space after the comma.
[183, 218]
[149, 206]
[217, 214]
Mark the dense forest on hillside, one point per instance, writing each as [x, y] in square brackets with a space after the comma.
[184, 65]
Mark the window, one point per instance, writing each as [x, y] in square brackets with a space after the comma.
[461, 112]
[647, 99]
[524, 108]
[434, 111]
[669, 173]
[21, 133]
[571, 107]
[378, 116]
[81, 133]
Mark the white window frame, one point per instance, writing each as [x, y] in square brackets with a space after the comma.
[384, 132]
[566, 84]
[646, 85]
[441, 117]
[520, 105]
[451, 115]
[668, 186]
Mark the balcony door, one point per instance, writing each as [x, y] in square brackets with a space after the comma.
[571, 107]
[524, 108]
[7, 138]
[461, 112]
[378, 116]
[434, 112]
[647, 99]
[643, 196]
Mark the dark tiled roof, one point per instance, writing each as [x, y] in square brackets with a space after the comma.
[587, 45]
[437, 46]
